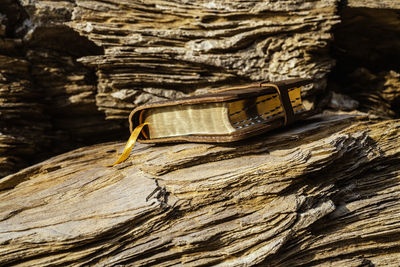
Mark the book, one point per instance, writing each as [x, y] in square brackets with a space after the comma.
[222, 115]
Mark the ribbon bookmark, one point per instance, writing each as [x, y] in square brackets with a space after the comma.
[129, 145]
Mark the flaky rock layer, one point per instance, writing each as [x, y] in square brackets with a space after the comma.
[323, 192]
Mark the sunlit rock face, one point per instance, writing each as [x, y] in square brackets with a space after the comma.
[321, 192]
[324, 191]
[162, 49]
[80, 67]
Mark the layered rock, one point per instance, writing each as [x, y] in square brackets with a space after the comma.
[163, 49]
[367, 49]
[47, 98]
[90, 63]
[23, 123]
[324, 191]
[382, 4]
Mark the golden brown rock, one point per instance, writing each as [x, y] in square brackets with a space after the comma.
[91, 62]
[382, 4]
[323, 192]
[163, 49]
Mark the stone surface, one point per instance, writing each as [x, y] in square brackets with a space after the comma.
[367, 49]
[91, 62]
[377, 93]
[47, 98]
[324, 191]
[381, 4]
[23, 122]
[163, 49]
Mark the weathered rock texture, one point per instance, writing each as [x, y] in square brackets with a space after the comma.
[381, 4]
[23, 123]
[47, 98]
[89, 63]
[164, 49]
[325, 191]
[367, 49]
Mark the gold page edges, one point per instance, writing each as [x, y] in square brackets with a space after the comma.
[244, 113]
[195, 119]
[240, 114]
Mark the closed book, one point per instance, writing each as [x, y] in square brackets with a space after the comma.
[222, 115]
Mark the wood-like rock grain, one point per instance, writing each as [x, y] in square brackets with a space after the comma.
[324, 191]
[163, 49]
[91, 62]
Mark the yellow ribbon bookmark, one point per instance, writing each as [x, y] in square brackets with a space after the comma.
[129, 145]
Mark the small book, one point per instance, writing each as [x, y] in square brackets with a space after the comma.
[222, 115]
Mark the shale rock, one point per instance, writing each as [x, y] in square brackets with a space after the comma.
[23, 123]
[324, 191]
[382, 4]
[163, 49]
[367, 49]
[91, 62]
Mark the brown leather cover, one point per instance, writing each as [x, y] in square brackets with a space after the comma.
[229, 94]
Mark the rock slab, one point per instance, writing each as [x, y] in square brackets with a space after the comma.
[325, 191]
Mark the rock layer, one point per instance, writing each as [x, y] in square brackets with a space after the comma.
[383, 4]
[91, 62]
[367, 49]
[47, 98]
[323, 191]
[23, 123]
[164, 49]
